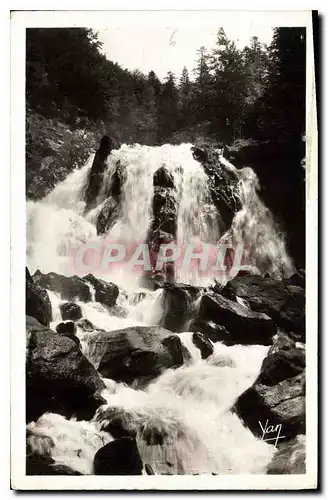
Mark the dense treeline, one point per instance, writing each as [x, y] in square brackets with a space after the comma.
[232, 94]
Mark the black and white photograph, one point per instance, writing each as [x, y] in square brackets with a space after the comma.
[167, 170]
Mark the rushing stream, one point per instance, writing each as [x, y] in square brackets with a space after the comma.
[189, 405]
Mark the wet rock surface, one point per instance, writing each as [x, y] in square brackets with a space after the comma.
[107, 145]
[178, 305]
[134, 353]
[105, 292]
[290, 457]
[223, 182]
[203, 344]
[282, 301]
[69, 288]
[244, 326]
[119, 457]
[70, 310]
[38, 304]
[278, 394]
[59, 378]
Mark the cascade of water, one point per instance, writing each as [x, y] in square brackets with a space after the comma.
[192, 403]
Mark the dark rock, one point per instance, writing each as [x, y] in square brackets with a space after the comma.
[69, 288]
[107, 144]
[164, 210]
[132, 354]
[86, 325]
[178, 305]
[290, 458]
[59, 378]
[38, 304]
[297, 279]
[108, 215]
[117, 421]
[284, 303]
[68, 329]
[38, 457]
[106, 292]
[163, 178]
[281, 365]
[203, 344]
[223, 182]
[174, 345]
[119, 457]
[210, 330]
[149, 470]
[244, 326]
[281, 404]
[46, 466]
[70, 310]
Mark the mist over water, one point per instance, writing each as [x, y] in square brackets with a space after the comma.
[190, 405]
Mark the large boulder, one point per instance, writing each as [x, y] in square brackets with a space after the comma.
[243, 325]
[223, 182]
[70, 310]
[38, 457]
[105, 292]
[69, 288]
[59, 378]
[278, 394]
[68, 329]
[280, 404]
[107, 145]
[203, 344]
[210, 330]
[134, 354]
[119, 457]
[38, 304]
[282, 301]
[290, 457]
[163, 178]
[178, 305]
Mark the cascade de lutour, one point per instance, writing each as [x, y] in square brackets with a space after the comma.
[190, 404]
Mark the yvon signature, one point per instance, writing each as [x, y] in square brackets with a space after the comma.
[271, 432]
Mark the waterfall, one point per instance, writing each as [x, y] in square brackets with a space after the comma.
[192, 403]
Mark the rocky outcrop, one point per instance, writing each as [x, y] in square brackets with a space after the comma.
[243, 325]
[111, 208]
[178, 304]
[134, 354]
[119, 457]
[278, 394]
[223, 183]
[68, 329]
[210, 330]
[108, 215]
[38, 304]
[203, 344]
[282, 301]
[70, 310]
[105, 292]
[38, 457]
[59, 378]
[69, 288]
[107, 145]
[290, 457]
